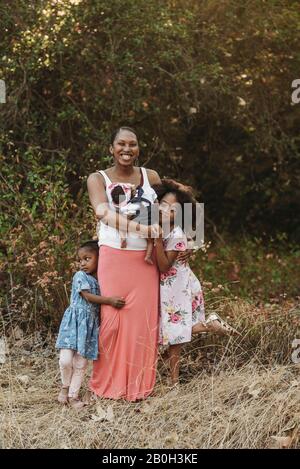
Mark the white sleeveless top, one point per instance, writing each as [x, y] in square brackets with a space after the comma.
[109, 236]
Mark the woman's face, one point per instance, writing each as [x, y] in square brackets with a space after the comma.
[125, 148]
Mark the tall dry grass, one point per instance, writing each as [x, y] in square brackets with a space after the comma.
[235, 393]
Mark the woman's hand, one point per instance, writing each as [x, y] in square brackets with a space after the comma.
[101, 210]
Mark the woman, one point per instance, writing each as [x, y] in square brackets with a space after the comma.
[128, 338]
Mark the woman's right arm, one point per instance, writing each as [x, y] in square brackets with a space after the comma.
[99, 202]
[97, 194]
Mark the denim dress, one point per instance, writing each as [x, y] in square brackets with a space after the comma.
[79, 327]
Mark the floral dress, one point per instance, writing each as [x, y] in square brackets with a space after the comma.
[79, 327]
[181, 297]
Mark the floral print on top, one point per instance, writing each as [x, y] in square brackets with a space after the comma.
[181, 297]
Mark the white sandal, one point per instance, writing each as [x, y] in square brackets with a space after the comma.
[225, 328]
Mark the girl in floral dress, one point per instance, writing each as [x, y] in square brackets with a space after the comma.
[181, 296]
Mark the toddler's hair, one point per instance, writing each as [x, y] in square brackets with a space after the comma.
[184, 195]
[118, 194]
[91, 245]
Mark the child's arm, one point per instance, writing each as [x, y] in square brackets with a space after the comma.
[165, 259]
[114, 301]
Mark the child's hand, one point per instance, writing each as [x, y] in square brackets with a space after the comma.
[117, 302]
[155, 231]
[185, 256]
[147, 231]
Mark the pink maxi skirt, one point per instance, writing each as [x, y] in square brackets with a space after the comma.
[126, 367]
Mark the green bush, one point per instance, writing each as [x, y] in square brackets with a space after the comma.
[207, 84]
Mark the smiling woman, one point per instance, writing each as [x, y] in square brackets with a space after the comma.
[128, 338]
[126, 148]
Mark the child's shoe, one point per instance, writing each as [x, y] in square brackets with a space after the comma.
[217, 325]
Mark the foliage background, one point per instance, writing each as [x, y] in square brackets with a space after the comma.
[207, 85]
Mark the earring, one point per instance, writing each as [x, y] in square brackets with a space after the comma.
[137, 162]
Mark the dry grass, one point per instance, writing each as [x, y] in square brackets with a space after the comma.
[233, 395]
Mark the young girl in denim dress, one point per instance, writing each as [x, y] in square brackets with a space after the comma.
[79, 329]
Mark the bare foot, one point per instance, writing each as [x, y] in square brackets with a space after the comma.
[75, 403]
[63, 395]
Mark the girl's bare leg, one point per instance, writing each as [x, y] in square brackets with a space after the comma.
[164, 356]
[66, 370]
[79, 367]
[174, 354]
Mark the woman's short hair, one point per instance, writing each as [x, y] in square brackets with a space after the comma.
[116, 132]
